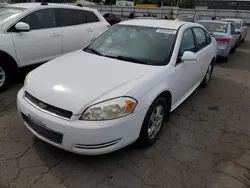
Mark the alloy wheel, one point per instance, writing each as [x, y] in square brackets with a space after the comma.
[2, 76]
[155, 121]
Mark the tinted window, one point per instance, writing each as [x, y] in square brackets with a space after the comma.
[153, 45]
[209, 39]
[215, 27]
[69, 17]
[41, 19]
[232, 29]
[90, 16]
[200, 37]
[187, 42]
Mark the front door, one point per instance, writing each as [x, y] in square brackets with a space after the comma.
[42, 43]
[185, 73]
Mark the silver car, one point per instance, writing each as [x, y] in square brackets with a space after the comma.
[224, 33]
[240, 25]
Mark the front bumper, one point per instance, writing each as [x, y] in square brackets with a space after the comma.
[82, 137]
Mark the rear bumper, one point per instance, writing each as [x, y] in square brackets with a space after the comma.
[223, 50]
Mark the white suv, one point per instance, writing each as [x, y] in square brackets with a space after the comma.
[32, 33]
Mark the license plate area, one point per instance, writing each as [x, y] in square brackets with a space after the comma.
[41, 129]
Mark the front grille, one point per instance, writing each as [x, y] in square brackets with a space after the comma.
[48, 134]
[65, 114]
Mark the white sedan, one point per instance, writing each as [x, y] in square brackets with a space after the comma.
[120, 88]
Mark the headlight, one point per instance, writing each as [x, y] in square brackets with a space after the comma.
[110, 109]
[26, 80]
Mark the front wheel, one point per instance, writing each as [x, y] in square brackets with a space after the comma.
[153, 122]
[208, 75]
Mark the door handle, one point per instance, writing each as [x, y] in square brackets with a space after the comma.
[55, 34]
[90, 30]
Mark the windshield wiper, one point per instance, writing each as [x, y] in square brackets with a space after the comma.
[93, 51]
[131, 59]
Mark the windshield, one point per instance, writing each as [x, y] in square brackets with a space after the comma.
[215, 27]
[135, 44]
[8, 12]
[186, 18]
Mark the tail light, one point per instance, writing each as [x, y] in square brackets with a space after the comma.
[223, 41]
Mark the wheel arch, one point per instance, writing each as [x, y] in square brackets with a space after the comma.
[12, 62]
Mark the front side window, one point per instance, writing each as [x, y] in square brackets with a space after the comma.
[200, 37]
[41, 19]
[215, 27]
[69, 17]
[187, 42]
[136, 44]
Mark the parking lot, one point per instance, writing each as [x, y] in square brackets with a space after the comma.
[205, 144]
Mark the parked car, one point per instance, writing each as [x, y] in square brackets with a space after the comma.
[120, 88]
[188, 18]
[111, 18]
[240, 26]
[224, 33]
[31, 33]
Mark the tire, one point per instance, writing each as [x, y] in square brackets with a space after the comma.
[227, 57]
[146, 138]
[5, 76]
[208, 75]
[234, 49]
[243, 40]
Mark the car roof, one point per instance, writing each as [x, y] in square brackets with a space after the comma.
[213, 21]
[38, 5]
[158, 23]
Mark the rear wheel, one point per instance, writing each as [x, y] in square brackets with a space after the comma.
[153, 122]
[208, 75]
[234, 49]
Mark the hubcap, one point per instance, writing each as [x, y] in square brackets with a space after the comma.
[2, 76]
[209, 72]
[155, 122]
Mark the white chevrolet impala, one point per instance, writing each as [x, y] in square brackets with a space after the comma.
[120, 88]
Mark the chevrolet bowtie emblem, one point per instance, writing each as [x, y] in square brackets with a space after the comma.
[42, 105]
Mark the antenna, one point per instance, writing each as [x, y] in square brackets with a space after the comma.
[44, 2]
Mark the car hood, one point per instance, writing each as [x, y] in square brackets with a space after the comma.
[79, 79]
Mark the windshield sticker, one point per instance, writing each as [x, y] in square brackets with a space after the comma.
[166, 31]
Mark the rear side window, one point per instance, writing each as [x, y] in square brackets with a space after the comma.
[200, 37]
[90, 16]
[232, 29]
[41, 19]
[69, 17]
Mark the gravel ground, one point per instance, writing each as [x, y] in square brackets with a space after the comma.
[205, 144]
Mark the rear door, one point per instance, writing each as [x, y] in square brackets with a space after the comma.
[42, 43]
[75, 34]
[95, 25]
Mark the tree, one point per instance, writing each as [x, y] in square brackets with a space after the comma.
[186, 4]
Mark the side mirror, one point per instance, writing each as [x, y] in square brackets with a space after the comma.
[22, 27]
[237, 32]
[189, 56]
